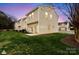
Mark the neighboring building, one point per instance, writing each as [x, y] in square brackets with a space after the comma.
[40, 20]
[63, 26]
[20, 25]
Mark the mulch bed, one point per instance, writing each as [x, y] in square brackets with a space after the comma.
[70, 40]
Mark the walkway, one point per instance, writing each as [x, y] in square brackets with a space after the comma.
[32, 34]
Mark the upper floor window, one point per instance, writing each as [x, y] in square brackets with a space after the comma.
[50, 16]
[32, 13]
[46, 13]
[30, 16]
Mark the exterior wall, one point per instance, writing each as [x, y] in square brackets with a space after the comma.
[68, 29]
[32, 22]
[32, 27]
[22, 24]
[48, 20]
[17, 26]
[33, 17]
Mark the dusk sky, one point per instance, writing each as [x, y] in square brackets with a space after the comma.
[18, 10]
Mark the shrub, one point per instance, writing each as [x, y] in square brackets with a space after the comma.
[24, 31]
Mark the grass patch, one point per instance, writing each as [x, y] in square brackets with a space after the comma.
[47, 44]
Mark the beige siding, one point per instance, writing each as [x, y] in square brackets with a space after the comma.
[33, 17]
[47, 24]
[42, 20]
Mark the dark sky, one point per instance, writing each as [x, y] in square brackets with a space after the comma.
[18, 10]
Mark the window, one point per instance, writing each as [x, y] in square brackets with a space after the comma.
[50, 16]
[19, 27]
[30, 16]
[59, 24]
[32, 13]
[46, 14]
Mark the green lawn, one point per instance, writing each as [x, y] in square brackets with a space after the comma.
[19, 43]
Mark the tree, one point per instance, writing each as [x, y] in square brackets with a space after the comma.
[72, 13]
[6, 21]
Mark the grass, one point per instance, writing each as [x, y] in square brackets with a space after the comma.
[47, 44]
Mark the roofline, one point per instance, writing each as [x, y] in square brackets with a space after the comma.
[32, 11]
[36, 9]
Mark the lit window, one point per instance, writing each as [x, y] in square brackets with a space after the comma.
[50, 16]
[32, 13]
[46, 13]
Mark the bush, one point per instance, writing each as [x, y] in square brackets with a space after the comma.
[24, 31]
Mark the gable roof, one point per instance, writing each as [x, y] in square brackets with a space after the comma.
[32, 11]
